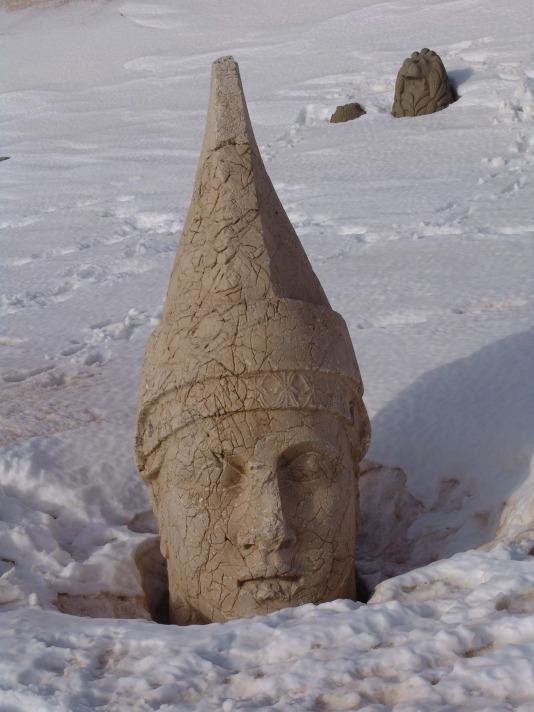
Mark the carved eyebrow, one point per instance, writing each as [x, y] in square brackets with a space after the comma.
[238, 462]
[318, 446]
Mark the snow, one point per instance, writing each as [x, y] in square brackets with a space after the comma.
[422, 233]
[456, 635]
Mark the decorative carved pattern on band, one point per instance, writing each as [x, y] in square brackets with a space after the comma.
[280, 390]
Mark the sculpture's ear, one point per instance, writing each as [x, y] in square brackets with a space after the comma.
[163, 545]
[152, 465]
[155, 500]
[365, 432]
[360, 430]
[163, 542]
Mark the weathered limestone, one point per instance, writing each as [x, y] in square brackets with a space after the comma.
[251, 422]
[422, 85]
[347, 112]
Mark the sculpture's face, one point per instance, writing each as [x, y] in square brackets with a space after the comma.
[422, 86]
[419, 64]
[257, 512]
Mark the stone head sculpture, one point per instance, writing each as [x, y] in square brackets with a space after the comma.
[251, 422]
[422, 85]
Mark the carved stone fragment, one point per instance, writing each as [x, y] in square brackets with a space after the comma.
[347, 112]
[251, 422]
[422, 85]
[388, 510]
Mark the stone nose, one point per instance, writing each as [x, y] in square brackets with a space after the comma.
[265, 528]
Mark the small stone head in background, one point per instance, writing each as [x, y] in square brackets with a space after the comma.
[422, 85]
[251, 422]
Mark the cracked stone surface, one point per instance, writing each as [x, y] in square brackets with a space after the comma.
[422, 85]
[251, 423]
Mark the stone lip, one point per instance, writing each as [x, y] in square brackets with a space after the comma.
[422, 85]
[347, 112]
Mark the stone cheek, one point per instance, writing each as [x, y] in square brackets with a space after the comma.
[257, 512]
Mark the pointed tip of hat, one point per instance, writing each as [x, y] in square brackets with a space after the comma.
[228, 120]
[238, 244]
[243, 300]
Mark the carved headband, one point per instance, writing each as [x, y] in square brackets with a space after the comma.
[281, 390]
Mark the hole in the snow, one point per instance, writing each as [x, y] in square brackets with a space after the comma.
[153, 569]
[363, 590]
[457, 77]
[101, 605]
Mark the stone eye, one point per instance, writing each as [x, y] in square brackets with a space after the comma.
[306, 467]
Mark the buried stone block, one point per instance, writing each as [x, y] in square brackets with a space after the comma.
[347, 112]
[422, 85]
[251, 423]
[388, 510]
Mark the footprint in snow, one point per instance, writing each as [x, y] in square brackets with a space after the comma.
[311, 115]
[394, 319]
[509, 71]
[93, 349]
[483, 307]
[17, 376]
[158, 17]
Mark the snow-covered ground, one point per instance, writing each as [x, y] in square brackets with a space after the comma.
[422, 233]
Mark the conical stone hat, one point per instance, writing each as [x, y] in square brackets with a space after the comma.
[246, 323]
